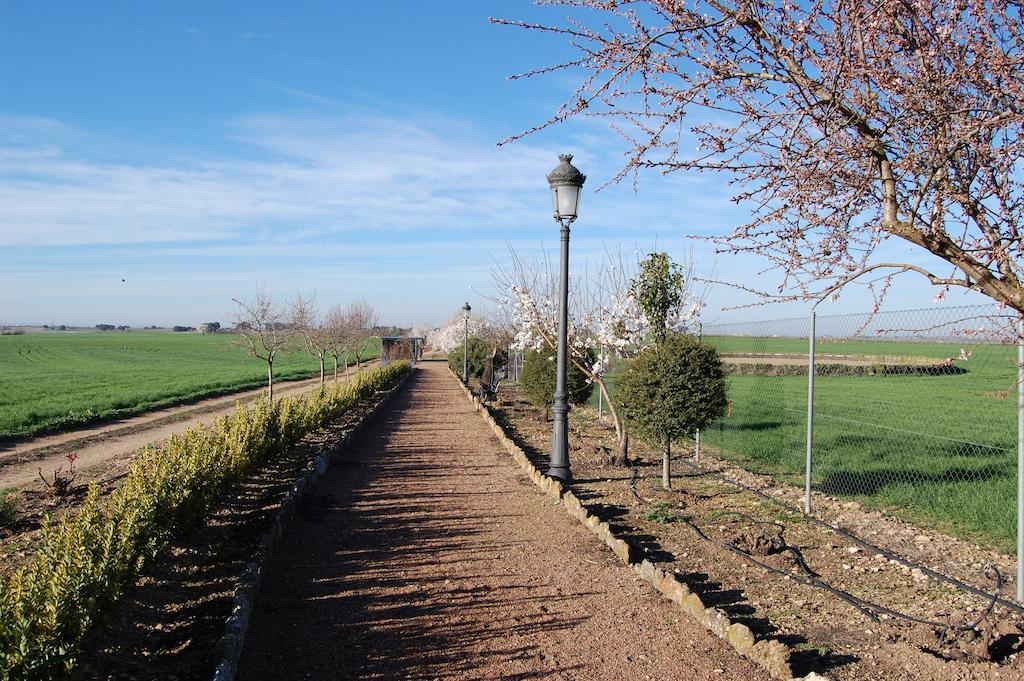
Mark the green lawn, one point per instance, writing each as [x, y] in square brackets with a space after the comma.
[57, 379]
[938, 447]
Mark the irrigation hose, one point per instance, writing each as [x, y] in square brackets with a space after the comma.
[869, 609]
[868, 546]
[812, 579]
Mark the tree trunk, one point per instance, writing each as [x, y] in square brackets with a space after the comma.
[270, 380]
[321, 369]
[622, 456]
[622, 437]
[335, 368]
[666, 466]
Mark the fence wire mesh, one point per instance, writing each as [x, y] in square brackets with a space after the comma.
[914, 411]
[514, 364]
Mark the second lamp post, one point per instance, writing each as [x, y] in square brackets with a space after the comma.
[566, 181]
[465, 345]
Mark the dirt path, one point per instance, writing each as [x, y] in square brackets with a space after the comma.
[114, 441]
[427, 554]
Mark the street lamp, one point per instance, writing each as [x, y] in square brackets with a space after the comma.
[465, 345]
[566, 182]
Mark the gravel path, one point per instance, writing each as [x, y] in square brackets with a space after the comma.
[426, 554]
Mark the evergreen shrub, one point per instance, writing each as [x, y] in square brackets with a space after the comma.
[672, 389]
[86, 560]
[538, 379]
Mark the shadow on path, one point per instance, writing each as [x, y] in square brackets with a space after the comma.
[422, 556]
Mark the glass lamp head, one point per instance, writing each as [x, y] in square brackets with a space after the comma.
[566, 181]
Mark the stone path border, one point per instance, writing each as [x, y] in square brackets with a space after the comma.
[771, 655]
[229, 648]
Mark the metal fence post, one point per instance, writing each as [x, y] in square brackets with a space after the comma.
[810, 416]
[1020, 459]
[696, 453]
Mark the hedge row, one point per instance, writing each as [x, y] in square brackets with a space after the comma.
[87, 559]
[767, 369]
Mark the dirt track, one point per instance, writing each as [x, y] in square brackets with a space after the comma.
[114, 441]
[426, 554]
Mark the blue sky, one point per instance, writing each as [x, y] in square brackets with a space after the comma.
[195, 149]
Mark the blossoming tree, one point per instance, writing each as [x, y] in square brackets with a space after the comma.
[843, 124]
[451, 334]
[493, 333]
[604, 316]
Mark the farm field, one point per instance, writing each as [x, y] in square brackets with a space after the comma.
[55, 380]
[936, 447]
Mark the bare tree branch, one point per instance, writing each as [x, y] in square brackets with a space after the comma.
[263, 330]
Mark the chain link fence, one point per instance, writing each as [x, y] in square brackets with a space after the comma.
[914, 411]
[514, 365]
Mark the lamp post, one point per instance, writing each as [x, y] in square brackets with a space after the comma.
[566, 182]
[465, 345]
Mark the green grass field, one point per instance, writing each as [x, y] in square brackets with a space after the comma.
[940, 448]
[53, 380]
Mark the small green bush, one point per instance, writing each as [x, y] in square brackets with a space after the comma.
[670, 390]
[6, 507]
[479, 352]
[86, 560]
[538, 379]
[662, 514]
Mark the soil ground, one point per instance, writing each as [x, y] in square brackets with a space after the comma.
[830, 635]
[105, 452]
[427, 554]
[98, 444]
[168, 623]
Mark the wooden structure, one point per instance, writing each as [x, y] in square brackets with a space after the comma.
[397, 348]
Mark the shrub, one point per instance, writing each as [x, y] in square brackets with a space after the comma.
[479, 352]
[662, 514]
[538, 379]
[831, 369]
[86, 560]
[658, 288]
[60, 482]
[6, 506]
[670, 390]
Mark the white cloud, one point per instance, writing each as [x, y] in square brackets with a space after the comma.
[309, 175]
